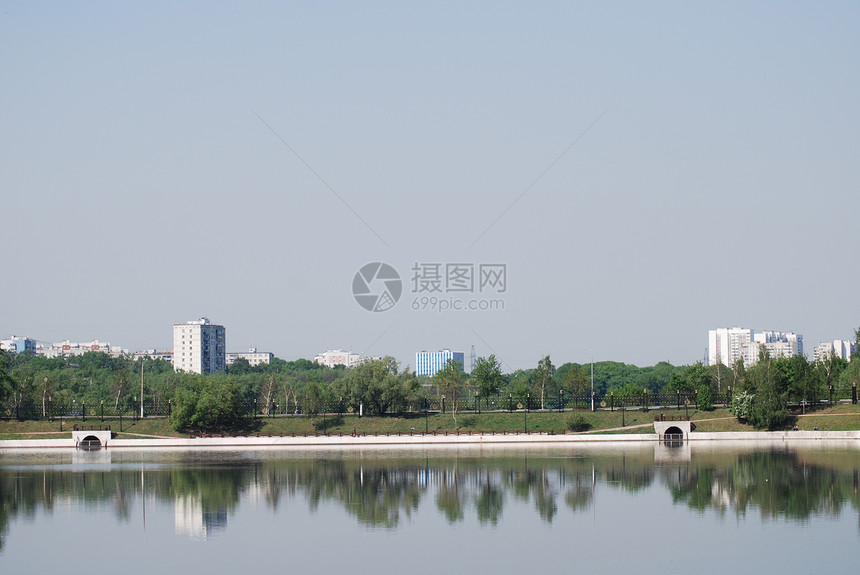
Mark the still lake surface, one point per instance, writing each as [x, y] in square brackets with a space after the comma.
[630, 508]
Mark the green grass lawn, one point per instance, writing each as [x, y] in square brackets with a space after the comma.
[841, 417]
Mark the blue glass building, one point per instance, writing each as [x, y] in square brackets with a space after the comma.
[429, 362]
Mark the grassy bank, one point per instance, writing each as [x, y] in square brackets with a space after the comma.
[838, 418]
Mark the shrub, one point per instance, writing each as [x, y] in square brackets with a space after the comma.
[705, 399]
[576, 422]
[742, 405]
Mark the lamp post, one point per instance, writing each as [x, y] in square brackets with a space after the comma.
[561, 399]
[141, 388]
[443, 404]
[525, 416]
[477, 405]
[510, 402]
[592, 385]
[426, 423]
[102, 406]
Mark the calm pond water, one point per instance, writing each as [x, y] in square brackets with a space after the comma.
[709, 508]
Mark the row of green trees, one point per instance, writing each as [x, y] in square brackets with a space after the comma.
[31, 385]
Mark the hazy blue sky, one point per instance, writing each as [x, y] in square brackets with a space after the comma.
[160, 162]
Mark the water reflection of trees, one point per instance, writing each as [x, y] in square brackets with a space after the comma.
[777, 484]
[384, 493]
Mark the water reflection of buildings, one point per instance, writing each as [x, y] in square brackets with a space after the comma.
[191, 518]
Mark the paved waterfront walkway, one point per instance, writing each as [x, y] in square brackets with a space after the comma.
[417, 440]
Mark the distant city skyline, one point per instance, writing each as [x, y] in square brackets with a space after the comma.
[600, 181]
[725, 345]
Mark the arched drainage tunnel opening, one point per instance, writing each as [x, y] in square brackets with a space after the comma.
[673, 437]
[90, 442]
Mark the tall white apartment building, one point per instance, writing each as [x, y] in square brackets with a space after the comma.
[836, 348]
[775, 350]
[726, 345]
[333, 357]
[199, 347]
[429, 362]
[767, 337]
[777, 343]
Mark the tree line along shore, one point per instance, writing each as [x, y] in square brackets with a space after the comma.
[304, 397]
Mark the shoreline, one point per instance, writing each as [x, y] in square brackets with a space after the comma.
[340, 442]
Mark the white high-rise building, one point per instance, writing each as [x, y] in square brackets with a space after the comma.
[726, 345]
[766, 337]
[199, 347]
[836, 348]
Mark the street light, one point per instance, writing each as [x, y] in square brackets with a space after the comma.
[525, 415]
[477, 405]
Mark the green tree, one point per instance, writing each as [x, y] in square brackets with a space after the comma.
[699, 380]
[207, 403]
[5, 378]
[377, 386]
[769, 409]
[543, 378]
[450, 382]
[799, 378]
[487, 376]
[240, 366]
[577, 381]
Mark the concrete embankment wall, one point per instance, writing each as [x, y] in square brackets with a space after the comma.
[425, 440]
